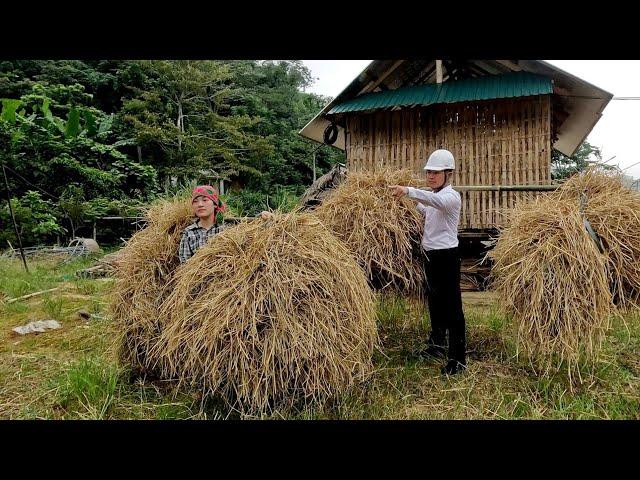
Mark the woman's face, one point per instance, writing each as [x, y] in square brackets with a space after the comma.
[203, 207]
[435, 179]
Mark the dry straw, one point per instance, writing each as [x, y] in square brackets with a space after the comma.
[552, 279]
[561, 285]
[383, 233]
[613, 211]
[145, 266]
[270, 314]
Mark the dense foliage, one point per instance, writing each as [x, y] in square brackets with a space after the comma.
[84, 139]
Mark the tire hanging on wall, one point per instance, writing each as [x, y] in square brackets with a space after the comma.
[330, 134]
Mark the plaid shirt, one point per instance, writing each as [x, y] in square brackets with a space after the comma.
[194, 237]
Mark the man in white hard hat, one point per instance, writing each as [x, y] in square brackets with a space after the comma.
[441, 208]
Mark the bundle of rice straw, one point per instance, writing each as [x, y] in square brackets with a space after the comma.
[269, 315]
[383, 233]
[552, 279]
[613, 211]
[145, 266]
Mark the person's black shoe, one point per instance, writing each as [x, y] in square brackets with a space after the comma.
[453, 367]
[433, 352]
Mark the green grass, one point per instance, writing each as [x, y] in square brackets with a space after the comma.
[72, 372]
[88, 388]
[43, 274]
[53, 307]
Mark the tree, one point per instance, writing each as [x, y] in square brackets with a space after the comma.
[272, 92]
[563, 166]
[183, 115]
[114, 128]
[52, 151]
[36, 222]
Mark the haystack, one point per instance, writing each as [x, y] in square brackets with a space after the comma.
[613, 211]
[273, 313]
[552, 279]
[145, 266]
[383, 233]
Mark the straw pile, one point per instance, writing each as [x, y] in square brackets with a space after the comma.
[383, 233]
[614, 213]
[551, 275]
[552, 279]
[145, 266]
[270, 314]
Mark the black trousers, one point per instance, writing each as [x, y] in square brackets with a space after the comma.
[442, 269]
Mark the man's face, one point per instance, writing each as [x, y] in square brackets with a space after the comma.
[435, 179]
[202, 207]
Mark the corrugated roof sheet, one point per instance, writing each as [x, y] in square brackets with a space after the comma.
[519, 84]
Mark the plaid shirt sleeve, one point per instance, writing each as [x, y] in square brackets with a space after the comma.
[185, 250]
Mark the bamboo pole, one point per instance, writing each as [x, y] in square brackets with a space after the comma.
[13, 218]
[504, 188]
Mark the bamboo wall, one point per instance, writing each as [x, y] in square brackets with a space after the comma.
[497, 142]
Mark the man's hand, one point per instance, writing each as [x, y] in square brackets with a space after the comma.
[265, 215]
[399, 190]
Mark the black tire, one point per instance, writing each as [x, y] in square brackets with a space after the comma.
[330, 134]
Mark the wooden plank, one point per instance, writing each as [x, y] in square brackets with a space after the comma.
[520, 151]
[548, 141]
[462, 166]
[364, 139]
[534, 125]
[374, 83]
[455, 147]
[31, 295]
[403, 143]
[503, 159]
[531, 139]
[535, 141]
[372, 142]
[392, 133]
[485, 168]
[414, 138]
[361, 140]
[478, 168]
[512, 151]
[390, 143]
[381, 140]
[364, 142]
[527, 145]
[355, 141]
[397, 143]
[506, 188]
[493, 152]
[403, 139]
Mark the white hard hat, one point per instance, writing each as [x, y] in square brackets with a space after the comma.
[440, 160]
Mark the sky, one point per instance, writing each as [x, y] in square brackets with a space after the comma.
[615, 133]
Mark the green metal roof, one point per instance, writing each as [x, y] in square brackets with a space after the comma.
[519, 84]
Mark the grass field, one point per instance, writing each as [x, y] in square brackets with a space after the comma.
[72, 373]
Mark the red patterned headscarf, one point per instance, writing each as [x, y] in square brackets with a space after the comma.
[208, 191]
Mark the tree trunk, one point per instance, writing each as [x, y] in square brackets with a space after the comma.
[180, 125]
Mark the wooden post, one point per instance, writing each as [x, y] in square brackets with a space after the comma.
[13, 218]
[94, 231]
[314, 166]
[438, 71]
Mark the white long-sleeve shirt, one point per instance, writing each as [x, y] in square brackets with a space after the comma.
[441, 217]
